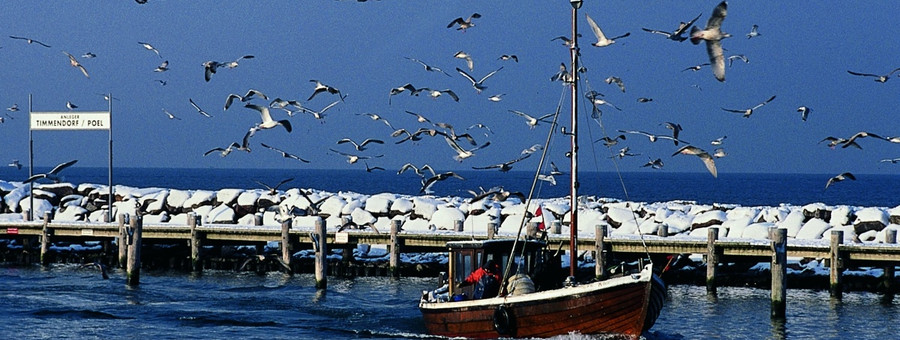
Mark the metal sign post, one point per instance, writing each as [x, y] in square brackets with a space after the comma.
[69, 120]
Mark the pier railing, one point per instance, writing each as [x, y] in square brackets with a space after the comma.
[838, 255]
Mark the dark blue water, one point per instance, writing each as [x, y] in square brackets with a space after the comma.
[743, 189]
[66, 302]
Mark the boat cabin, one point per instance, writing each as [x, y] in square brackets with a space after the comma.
[531, 256]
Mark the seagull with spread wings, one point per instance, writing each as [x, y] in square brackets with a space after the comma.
[532, 121]
[428, 68]
[602, 40]
[284, 154]
[704, 156]
[52, 175]
[478, 85]
[274, 189]
[878, 78]
[748, 112]
[677, 34]
[461, 153]
[713, 36]
[838, 178]
[30, 41]
[360, 146]
[464, 23]
[197, 107]
[74, 62]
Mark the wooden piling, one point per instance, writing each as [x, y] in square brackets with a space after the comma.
[257, 219]
[531, 230]
[458, 225]
[600, 252]
[321, 246]
[890, 237]
[779, 271]
[133, 271]
[712, 259]
[45, 240]
[663, 230]
[395, 248]
[556, 227]
[122, 242]
[196, 243]
[286, 242]
[491, 230]
[837, 237]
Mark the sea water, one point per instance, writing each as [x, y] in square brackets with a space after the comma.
[63, 301]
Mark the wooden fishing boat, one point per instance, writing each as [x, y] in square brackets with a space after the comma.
[552, 303]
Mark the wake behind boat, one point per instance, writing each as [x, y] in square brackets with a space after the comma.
[534, 297]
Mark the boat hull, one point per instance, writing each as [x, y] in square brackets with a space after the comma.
[618, 306]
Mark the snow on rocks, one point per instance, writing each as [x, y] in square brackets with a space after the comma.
[423, 214]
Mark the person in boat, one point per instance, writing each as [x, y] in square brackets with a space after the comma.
[486, 280]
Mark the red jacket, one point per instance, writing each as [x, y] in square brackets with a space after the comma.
[478, 274]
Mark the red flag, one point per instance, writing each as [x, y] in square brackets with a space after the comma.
[540, 213]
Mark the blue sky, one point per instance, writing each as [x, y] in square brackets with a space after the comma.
[802, 56]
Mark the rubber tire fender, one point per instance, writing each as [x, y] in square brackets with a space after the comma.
[504, 321]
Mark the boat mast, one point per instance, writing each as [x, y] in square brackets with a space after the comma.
[573, 184]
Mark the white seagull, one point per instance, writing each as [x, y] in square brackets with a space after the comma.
[464, 23]
[704, 156]
[150, 47]
[53, 174]
[462, 154]
[676, 35]
[838, 178]
[267, 121]
[602, 41]
[478, 85]
[749, 111]
[323, 88]
[467, 57]
[207, 115]
[163, 67]
[428, 68]
[360, 146]
[878, 78]
[532, 121]
[713, 35]
[804, 112]
[74, 62]
[351, 158]
[284, 154]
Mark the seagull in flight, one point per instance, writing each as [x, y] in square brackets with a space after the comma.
[323, 88]
[804, 112]
[88, 55]
[419, 171]
[713, 36]
[677, 34]
[274, 189]
[467, 57]
[234, 63]
[360, 146]
[532, 121]
[695, 67]
[209, 68]
[53, 174]
[878, 78]
[250, 94]
[654, 164]
[428, 68]
[321, 113]
[397, 90]
[74, 62]
[150, 48]
[207, 115]
[163, 67]
[478, 85]
[602, 40]
[704, 156]
[170, 115]
[461, 153]
[653, 138]
[71, 106]
[618, 81]
[464, 23]
[503, 167]
[741, 57]
[754, 32]
[428, 183]
[377, 117]
[861, 134]
[749, 111]
[838, 178]
[284, 154]
[30, 41]
[267, 121]
[351, 158]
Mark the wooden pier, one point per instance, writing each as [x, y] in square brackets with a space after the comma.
[716, 251]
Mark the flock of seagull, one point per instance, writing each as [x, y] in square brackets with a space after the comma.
[463, 145]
